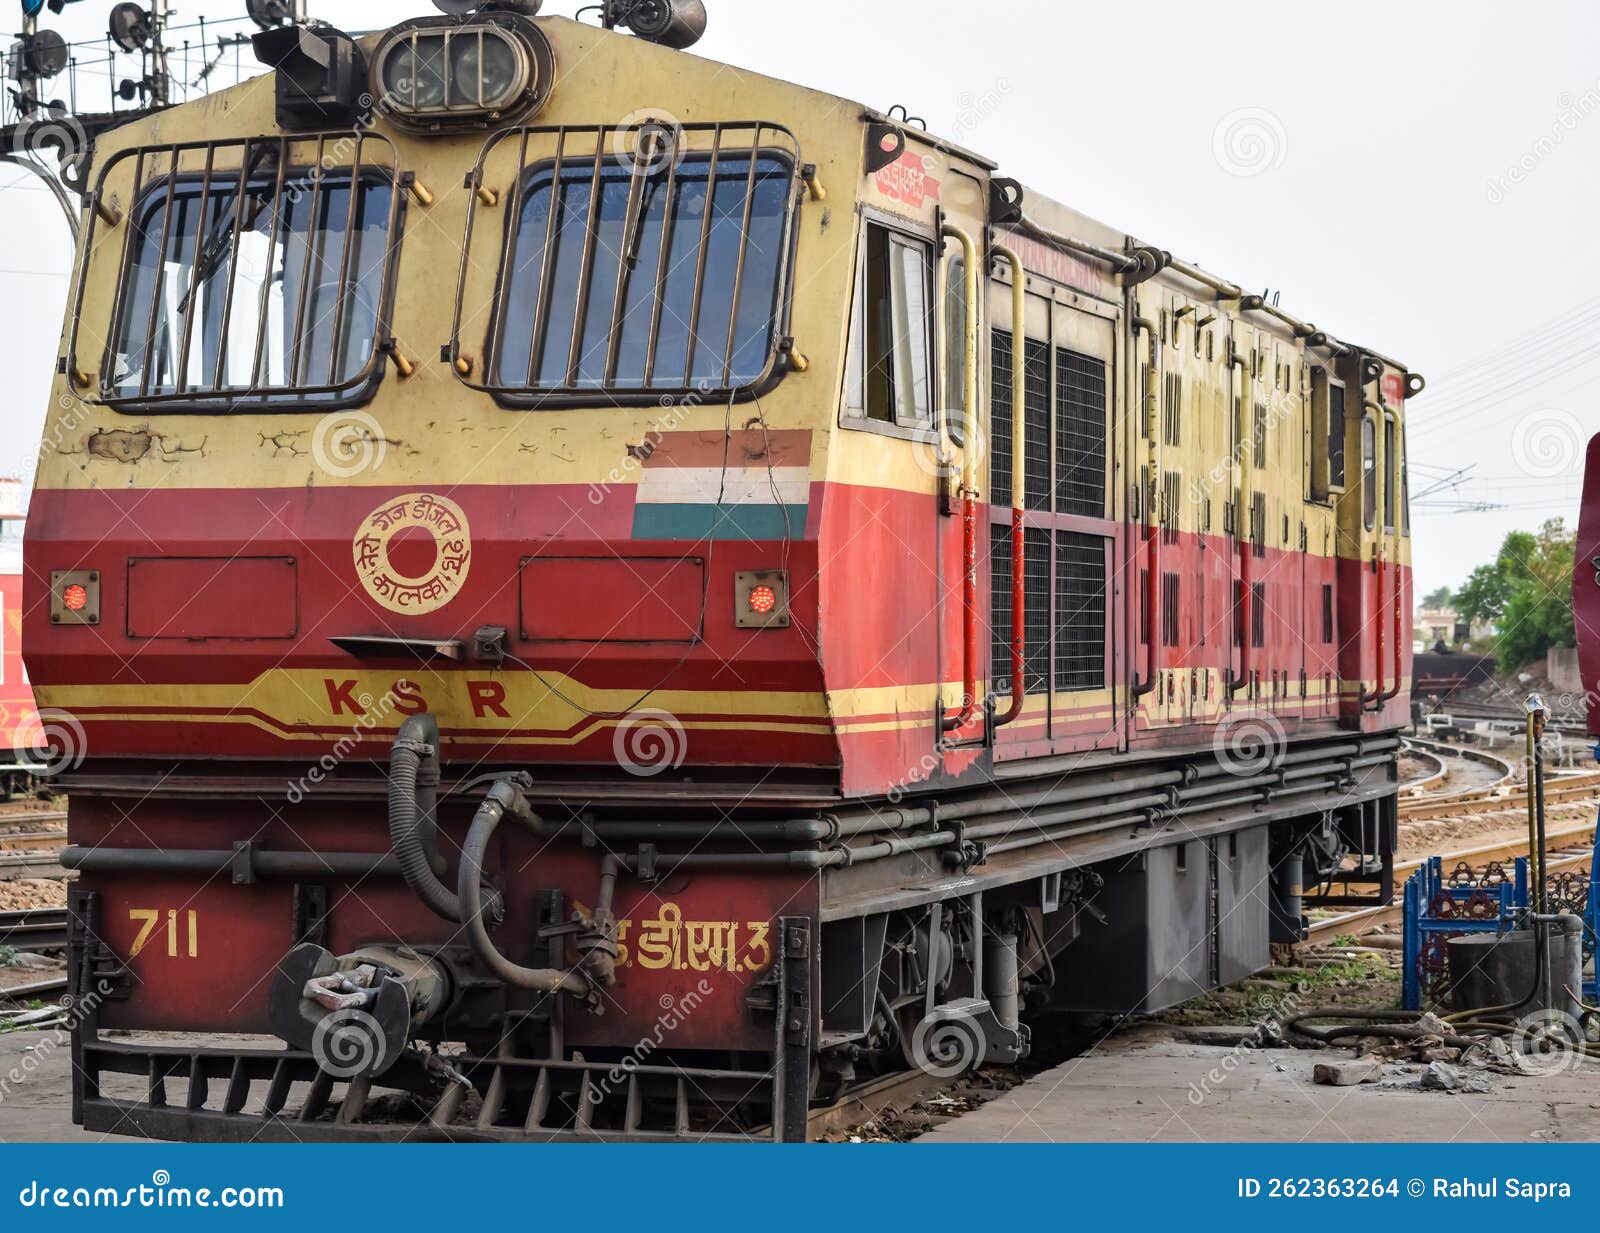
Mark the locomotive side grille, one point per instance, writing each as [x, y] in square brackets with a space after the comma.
[1080, 434]
[1171, 607]
[1258, 523]
[1172, 410]
[1258, 614]
[1036, 436]
[1036, 571]
[1171, 497]
[1000, 608]
[1080, 612]
[1000, 421]
[1258, 433]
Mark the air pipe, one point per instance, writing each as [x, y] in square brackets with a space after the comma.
[597, 939]
[413, 825]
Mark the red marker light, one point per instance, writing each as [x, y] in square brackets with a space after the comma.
[763, 600]
[75, 598]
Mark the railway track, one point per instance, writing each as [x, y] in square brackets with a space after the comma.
[34, 929]
[18, 865]
[1569, 848]
[37, 819]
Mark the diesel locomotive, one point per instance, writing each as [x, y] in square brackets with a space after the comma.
[592, 593]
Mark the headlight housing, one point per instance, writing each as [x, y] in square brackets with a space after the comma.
[446, 74]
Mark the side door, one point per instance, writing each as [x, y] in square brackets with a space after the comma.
[1068, 536]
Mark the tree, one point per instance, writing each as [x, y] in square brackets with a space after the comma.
[1442, 598]
[1527, 593]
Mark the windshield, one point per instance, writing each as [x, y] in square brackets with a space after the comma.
[650, 281]
[256, 294]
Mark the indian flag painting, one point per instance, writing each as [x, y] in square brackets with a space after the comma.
[754, 485]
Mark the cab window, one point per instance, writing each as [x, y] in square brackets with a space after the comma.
[629, 280]
[238, 288]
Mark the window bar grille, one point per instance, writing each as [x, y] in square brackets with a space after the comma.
[632, 228]
[336, 347]
[744, 250]
[187, 302]
[663, 268]
[247, 166]
[547, 274]
[313, 243]
[591, 238]
[159, 281]
[704, 254]
[272, 255]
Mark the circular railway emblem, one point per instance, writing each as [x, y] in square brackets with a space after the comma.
[414, 585]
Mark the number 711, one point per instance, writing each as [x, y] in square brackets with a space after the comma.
[149, 918]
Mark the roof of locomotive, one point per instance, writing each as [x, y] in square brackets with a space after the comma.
[1054, 214]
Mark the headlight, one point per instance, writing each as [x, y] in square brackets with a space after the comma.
[439, 74]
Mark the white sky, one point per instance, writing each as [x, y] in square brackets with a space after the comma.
[1381, 203]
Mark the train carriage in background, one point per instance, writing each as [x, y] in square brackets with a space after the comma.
[620, 597]
[21, 733]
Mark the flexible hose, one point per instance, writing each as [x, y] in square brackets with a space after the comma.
[413, 825]
[502, 797]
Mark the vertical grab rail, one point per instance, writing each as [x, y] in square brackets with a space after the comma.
[1386, 475]
[1152, 536]
[1392, 479]
[1244, 597]
[969, 486]
[1019, 412]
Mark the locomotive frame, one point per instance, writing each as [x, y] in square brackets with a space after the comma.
[379, 726]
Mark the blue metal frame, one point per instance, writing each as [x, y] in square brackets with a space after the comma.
[1424, 888]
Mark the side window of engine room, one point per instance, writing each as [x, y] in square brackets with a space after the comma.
[891, 373]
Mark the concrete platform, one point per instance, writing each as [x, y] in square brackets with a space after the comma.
[36, 1090]
[1156, 1087]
